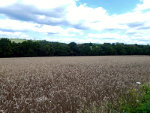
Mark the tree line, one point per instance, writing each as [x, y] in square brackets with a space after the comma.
[31, 48]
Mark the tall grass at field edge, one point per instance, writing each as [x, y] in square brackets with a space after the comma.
[133, 101]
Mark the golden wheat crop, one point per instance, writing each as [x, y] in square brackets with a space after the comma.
[67, 84]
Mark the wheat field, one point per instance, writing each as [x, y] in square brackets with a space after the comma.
[68, 84]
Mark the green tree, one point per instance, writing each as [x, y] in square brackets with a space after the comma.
[74, 49]
[61, 49]
[85, 49]
[5, 48]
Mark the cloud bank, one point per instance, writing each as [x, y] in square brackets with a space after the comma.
[65, 21]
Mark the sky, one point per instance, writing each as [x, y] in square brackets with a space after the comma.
[80, 21]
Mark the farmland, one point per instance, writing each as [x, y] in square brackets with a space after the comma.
[67, 84]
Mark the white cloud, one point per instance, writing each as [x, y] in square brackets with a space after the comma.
[145, 4]
[15, 25]
[9, 24]
[115, 37]
[109, 37]
[55, 12]
[84, 14]
[71, 32]
[4, 3]
[105, 35]
[48, 4]
[63, 18]
[19, 35]
[48, 29]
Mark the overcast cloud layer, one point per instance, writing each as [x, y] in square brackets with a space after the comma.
[65, 21]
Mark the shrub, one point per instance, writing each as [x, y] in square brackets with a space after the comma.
[135, 101]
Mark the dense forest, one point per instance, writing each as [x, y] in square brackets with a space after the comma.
[31, 48]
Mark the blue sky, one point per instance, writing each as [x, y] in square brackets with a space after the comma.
[112, 6]
[81, 21]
